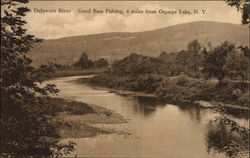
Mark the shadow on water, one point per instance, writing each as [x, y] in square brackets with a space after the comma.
[147, 105]
[194, 112]
[223, 134]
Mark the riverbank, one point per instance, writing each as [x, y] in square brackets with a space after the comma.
[219, 104]
[179, 89]
[150, 121]
[66, 73]
[80, 120]
[126, 92]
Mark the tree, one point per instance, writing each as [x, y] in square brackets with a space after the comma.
[168, 61]
[83, 62]
[194, 49]
[136, 64]
[246, 51]
[237, 65]
[101, 63]
[243, 6]
[215, 59]
[25, 130]
[181, 62]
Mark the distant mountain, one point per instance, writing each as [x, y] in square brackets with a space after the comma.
[114, 46]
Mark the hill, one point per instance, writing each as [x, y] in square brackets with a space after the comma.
[116, 45]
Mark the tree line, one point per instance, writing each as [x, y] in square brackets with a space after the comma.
[84, 63]
[197, 61]
[183, 76]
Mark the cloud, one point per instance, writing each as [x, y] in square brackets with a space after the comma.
[56, 25]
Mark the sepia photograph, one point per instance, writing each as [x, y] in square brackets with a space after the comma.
[125, 79]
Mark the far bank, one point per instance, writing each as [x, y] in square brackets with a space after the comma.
[178, 90]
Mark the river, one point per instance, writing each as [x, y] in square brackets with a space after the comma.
[158, 129]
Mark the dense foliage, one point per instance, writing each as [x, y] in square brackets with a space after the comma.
[182, 76]
[85, 63]
[227, 136]
[215, 60]
[25, 129]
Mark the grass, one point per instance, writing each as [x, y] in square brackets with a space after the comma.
[78, 108]
[78, 120]
[55, 105]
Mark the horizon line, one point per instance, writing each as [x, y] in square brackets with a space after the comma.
[92, 34]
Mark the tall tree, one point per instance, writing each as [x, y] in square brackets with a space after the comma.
[101, 63]
[236, 65]
[83, 62]
[215, 59]
[244, 7]
[25, 130]
[182, 61]
[194, 49]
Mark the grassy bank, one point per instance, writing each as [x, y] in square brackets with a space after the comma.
[178, 89]
[78, 120]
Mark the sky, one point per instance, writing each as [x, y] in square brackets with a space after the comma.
[57, 25]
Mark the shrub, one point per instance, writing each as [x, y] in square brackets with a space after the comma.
[55, 105]
[244, 99]
[78, 108]
[195, 74]
[180, 89]
[182, 80]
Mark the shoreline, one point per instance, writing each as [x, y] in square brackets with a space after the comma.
[90, 124]
[67, 73]
[125, 92]
[104, 121]
[213, 104]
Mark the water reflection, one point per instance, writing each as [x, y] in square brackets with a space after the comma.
[194, 112]
[159, 129]
[147, 105]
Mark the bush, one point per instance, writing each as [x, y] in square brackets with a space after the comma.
[182, 80]
[244, 99]
[228, 93]
[194, 74]
[179, 89]
[183, 89]
[78, 108]
[55, 105]
[144, 83]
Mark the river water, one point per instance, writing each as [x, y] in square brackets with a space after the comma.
[158, 129]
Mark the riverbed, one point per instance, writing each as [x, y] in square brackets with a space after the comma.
[157, 129]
